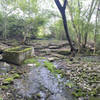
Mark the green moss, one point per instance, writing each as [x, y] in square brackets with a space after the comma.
[53, 69]
[8, 80]
[11, 49]
[42, 57]
[93, 92]
[16, 76]
[50, 66]
[27, 49]
[58, 71]
[1, 98]
[31, 60]
[15, 49]
[37, 64]
[38, 95]
[4, 87]
[79, 93]
[69, 84]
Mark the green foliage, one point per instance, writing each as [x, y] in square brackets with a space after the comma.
[16, 76]
[16, 26]
[79, 93]
[57, 30]
[98, 41]
[53, 69]
[8, 80]
[70, 84]
[27, 5]
[1, 98]
[4, 87]
[32, 61]
[50, 66]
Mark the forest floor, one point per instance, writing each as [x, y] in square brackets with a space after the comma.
[77, 76]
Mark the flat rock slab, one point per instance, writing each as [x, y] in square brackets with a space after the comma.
[4, 67]
[57, 97]
[3, 47]
[42, 82]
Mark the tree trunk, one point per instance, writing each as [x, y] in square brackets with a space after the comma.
[95, 30]
[92, 8]
[66, 31]
[62, 11]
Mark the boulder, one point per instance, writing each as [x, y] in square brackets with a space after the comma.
[4, 67]
[3, 47]
[63, 51]
[17, 55]
[57, 97]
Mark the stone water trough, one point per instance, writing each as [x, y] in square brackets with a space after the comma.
[17, 55]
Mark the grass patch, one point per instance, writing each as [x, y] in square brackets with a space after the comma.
[50, 66]
[16, 76]
[32, 61]
[8, 80]
[53, 69]
[1, 98]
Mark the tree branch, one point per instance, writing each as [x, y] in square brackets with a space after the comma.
[65, 3]
[58, 5]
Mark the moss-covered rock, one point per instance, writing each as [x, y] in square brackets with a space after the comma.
[4, 87]
[17, 55]
[63, 51]
[8, 80]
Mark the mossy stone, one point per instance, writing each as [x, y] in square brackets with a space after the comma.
[17, 55]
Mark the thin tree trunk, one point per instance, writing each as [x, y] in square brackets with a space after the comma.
[92, 8]
[75, 28]
[95, 31]
[66, 31]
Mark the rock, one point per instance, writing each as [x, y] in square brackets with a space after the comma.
[46, 51]
[3, 47]
[17, 55]
[58, 55]
[63, 51]
[4, 67]
[0, 57]
[38, 81]
[57, 97]
[54, 47]
[51, 59]
[30, 65]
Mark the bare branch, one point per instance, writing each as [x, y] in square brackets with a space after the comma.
[65, 3]
[58, 4]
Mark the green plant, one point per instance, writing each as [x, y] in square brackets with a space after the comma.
[31, 60]
[8, 80]
[4, 87]
[50, 66]
[69, 84]
[1, 98]
[16, 76]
